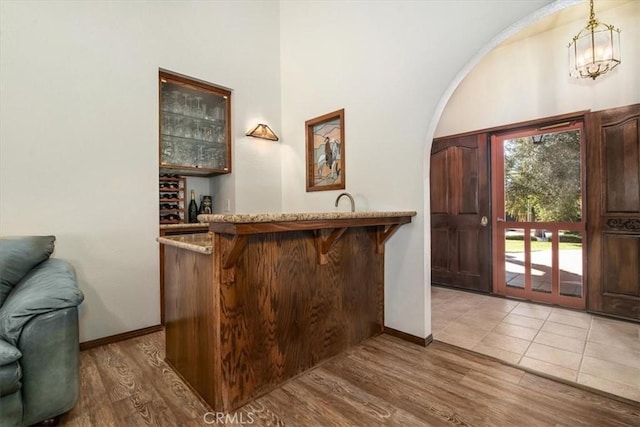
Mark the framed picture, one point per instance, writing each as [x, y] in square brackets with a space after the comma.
[325, 152]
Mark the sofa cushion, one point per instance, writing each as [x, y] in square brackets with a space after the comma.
[18, 255]
[48, 287]
[8, 353]
[10, 376]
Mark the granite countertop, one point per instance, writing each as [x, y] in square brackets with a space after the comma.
[309, 216]
[200, 242]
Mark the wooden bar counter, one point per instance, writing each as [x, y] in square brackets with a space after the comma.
[261, 298]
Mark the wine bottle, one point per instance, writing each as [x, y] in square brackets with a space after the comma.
[169, 206]
[193, 208]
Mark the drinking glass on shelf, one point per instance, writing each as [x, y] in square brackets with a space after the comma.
[218, 113]
[193, 109]
[207, 134]
[198, 109]
[188, 133]
[186, 109]
[171, 126]
[175, 102]
[167, 150]
[205, 113]
[166, 100]
[211, 114]
[201, 156]
[218, 160]
[210, 158]
[167, 129]
[197, 131]
[181, 156]
[178, 129]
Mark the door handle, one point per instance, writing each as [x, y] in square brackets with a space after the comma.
[500, 219]
[484, 221]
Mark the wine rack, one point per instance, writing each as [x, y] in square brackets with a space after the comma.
[172, 199]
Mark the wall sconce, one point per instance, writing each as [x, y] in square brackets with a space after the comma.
[262, 131]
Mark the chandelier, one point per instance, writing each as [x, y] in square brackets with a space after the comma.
[595, 50]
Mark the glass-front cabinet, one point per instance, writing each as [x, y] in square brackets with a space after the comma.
[195, 134]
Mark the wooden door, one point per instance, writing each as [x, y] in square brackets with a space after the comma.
[613, 212]
[545, 168]
[460, 209]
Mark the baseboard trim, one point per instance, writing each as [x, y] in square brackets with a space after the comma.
[119, 337]
[408, 337]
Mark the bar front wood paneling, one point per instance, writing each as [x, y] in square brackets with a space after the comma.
[269, 304]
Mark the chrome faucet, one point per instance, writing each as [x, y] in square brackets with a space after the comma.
[353, 204]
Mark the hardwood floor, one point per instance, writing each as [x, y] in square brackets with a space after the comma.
[383, 381]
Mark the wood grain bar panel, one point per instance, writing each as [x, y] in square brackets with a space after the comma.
[260, 309]
[190, 315]
[284, 313]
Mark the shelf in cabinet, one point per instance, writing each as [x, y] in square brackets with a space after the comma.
[214, 122]
[192, 170]
[199, 141]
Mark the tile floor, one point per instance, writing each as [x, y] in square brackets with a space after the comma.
[598, 352]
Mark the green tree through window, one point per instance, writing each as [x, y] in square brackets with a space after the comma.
[542, 180]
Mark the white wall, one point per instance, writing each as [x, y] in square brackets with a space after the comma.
[528, 79]
[79, 133]
[387, 64]
[78, 107]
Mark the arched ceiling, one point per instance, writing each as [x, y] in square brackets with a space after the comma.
[578, 13]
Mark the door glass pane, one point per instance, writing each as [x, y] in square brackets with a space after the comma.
[541, 259]
[570, 262]
[542, 178]
[514, 258]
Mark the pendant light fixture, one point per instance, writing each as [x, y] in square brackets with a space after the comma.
[594, 50]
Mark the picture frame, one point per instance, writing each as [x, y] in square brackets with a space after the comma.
[325, 152]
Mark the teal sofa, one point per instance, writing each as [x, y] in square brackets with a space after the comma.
[39, 349]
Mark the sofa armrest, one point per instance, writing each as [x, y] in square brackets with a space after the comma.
[50, 286]
[50, 365]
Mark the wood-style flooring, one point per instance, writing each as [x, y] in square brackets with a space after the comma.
[381, 382]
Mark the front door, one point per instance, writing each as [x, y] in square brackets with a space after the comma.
[613, 232]
[539, 222]
[460, 211]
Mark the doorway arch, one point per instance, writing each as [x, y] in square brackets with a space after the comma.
[504, 35]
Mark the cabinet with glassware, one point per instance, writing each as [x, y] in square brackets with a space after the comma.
[195, 133]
